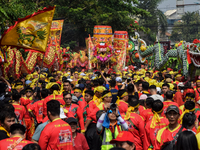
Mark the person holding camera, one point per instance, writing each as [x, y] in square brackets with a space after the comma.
[135, 122]
[109, 125]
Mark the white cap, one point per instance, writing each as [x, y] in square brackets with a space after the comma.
[118, 79]
[143, 97]
[62, 114]
[181, 84]
[70, 80]
[83, 74]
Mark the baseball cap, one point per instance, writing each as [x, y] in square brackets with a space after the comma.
[71, 119]
[119, 79]
[123, 137]
[62, 114]
[174, 108]
[181, 84]
[143, 97]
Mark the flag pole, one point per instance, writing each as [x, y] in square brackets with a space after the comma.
[40, 70]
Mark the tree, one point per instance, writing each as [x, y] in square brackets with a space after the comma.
[80, 16]
[157, 18]
[187, 28]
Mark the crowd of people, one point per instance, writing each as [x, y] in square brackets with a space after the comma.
[74, 109]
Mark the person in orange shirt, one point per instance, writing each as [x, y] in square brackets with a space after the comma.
[60, 136]
[73, 109]
[169, 132]
[16, 140]
[154, 125]
[26, 102]
[169, 102]
[135, 122]
[20, 110]
[55, 94]
[147, 114]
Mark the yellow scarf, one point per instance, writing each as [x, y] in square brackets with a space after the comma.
[186, 111]
[2, 128]
[129, 110]
[155, 119]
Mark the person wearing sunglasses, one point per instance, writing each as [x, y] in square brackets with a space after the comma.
[109, 125]
[73, 110]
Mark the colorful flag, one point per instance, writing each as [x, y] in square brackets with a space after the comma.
[55, 34]
[31, 32]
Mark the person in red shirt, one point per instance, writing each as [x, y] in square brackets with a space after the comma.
[89, 107]
[79, 140]
[55, 94]
[154, 125]
[147, 114]
[81, 101]
[178, 97]
[16, 140]
[20, 110]
[188, 122]
[7, 119]
[135, 122]
[197, 90]
[26, 102]
[36, 109]
[169, 102]
[107, 98]
[168, 133]
[57, 135]
[73, 109]
[122, 101]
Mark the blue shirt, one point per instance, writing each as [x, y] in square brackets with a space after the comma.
[114, 95]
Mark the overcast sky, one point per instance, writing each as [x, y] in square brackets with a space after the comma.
[171, 4]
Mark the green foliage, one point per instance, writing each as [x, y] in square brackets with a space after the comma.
[156, 19]
[188, 28]
[79, 16]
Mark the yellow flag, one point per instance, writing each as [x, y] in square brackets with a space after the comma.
[31, 32]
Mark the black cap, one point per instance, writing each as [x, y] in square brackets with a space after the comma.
[174, 108]
[71, 120]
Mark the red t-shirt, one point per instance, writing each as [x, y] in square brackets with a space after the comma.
[82, 103]
[141, 109]
[51, 97]
[80, 142]
[26, 103]
[139, 132]
[37, 109]
[147, 115]
[165, 135]
[4, 144]
[150, 134]
[20, 112]
[75, 111]
[178, 98]
[57, 135]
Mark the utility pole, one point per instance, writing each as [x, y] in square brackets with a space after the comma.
[180, 8]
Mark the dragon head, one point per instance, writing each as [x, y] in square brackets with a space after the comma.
[66, 54]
